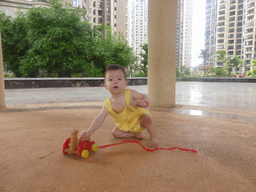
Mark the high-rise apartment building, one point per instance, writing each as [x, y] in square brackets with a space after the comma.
[112, 13]
[184, 33]
[235, 32]
[138, 25]
[210, 29]
[249, 34]
[230, 27]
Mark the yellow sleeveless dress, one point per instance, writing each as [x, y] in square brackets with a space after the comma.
[128, 119]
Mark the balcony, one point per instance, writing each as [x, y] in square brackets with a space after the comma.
[220, 37]
[221, 13]
[248, 51]
[248, 43]
[249, 24]
[220, 47]
[221, 18]
[232, 8]
[248, 57]
[249, 37]
[221, 2]
[220, 30]
[249, 31]
[222, 7]
[250, 8]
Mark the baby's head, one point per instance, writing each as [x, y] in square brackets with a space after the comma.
[115, 78]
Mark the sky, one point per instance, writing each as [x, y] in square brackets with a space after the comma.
[198, 29]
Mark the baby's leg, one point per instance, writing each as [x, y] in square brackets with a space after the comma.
[146, 121]
[117, 133]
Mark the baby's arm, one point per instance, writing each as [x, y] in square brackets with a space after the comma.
[95, 124]
[141, 100]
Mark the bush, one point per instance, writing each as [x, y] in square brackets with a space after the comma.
[221, 72]
[248, 73]
[8, 75]
[254, 71]
[140, 74]
[191, 78]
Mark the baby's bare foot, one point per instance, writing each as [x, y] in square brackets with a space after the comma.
[138, 135]
[153, 142]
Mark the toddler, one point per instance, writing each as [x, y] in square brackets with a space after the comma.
[126, 106]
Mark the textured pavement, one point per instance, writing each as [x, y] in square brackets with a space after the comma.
[216, 119]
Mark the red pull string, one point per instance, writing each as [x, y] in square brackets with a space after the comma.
[129, 141]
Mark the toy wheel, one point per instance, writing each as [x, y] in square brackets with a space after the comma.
[94, 147]
[66, 146]
[85, 153]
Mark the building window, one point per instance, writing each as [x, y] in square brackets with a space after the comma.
[231, 42]
[231, 24]
[94, 3]
[115, 8]
[239, 41]
[230, 36]
[240, 6]
[94, 19]
[240, 12]
[100, 5]
[108, 10]
[100, 20]
[108, 18]
[94, 11]
[230, 47]
[239, 35]
[100, 12]
[231, 30]
[232, 13]
[239, 24]
[115, 25]
[239, 18]
[239, 29]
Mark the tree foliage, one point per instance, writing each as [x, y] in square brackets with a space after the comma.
[224, 58]
[109, 48]
[54, 40]
[204, 54]
[144, 61]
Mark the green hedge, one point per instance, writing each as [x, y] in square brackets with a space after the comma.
[191, 78]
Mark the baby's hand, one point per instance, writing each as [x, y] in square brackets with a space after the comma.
[141, 103]
[84, 135]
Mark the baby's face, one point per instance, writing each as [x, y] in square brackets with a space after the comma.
[115, 81]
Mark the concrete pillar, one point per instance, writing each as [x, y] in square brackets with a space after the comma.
[162, 32]
[2, 93]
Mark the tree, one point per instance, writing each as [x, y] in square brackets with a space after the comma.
[54, 40]
[109, 48]
[14, 40]
[224, 58]
[144, 60]
[204, 54]
[235, 62]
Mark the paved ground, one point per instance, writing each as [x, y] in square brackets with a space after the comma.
[220, 95]
[38, 121]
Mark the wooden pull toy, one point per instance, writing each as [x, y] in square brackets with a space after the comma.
[77, 146]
